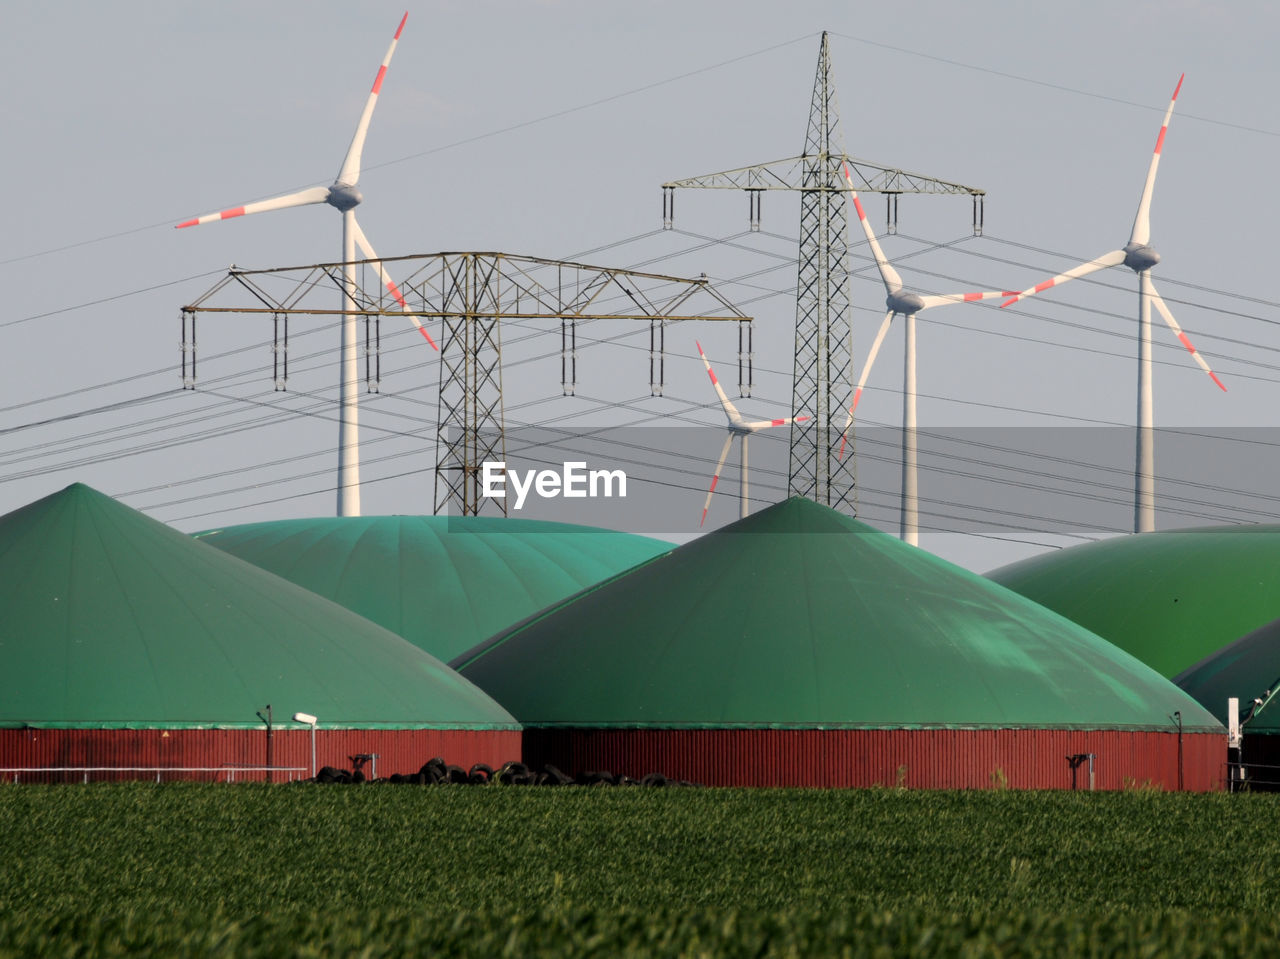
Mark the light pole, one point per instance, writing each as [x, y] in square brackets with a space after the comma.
[270, 754]
[310, 721]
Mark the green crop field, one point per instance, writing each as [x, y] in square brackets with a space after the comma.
[188, 869]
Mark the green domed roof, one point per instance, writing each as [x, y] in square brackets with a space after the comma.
[111, 619]
[1169, 598]
[443, 583]
[1249, 670]
[801, 617]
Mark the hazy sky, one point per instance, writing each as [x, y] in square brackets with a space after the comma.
[546, 129]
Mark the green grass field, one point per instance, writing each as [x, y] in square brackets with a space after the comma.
[188, 869]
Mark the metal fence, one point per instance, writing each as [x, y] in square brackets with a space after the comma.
[226, 772]
[1252, 777]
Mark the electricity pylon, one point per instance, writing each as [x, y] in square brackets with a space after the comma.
[823, 366]
[469, 295]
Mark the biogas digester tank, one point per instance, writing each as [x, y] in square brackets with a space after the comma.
[444, 583]
[1169, 598]
[125, 643]
[801, 647]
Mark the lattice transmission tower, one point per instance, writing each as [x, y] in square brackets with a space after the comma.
[470, 295]
[823, 368]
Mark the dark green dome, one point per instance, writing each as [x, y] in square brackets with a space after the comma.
[443, 583]
[1248, 670]
[111, 619]
[1169, 598]
[799, 616]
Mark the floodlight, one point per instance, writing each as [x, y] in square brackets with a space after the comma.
[310, 721]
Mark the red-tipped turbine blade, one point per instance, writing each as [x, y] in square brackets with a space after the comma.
[892, 281]
[1142, 222]
[350, 172]
[366, 247]
[1177, 331]
[730, 410]
[862, 380]
[728, 441]
[768, 424]
[315, 194]
[946, 299]
[1114, 258]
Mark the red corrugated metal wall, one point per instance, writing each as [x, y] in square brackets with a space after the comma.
[928, 758]
[923, 758]
[399, 750]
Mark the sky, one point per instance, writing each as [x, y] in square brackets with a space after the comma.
[546, 129]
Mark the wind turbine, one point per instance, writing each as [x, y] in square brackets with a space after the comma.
[737, 427]
[344, 196]
[904, 303]
[1138, 256]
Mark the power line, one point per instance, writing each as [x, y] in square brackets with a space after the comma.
[105, 299]
[1076, 91]
[612, 98]
[703, 242]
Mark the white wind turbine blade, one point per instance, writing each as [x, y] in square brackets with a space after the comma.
[892, 281]
[1142, 222]
[350, 172]
[766, 424]
[728, 441]
[366, 247]
[731, 411]
[862, 380]
[315, 194]
[1177, 330]
[1114, 258]
[945, 299]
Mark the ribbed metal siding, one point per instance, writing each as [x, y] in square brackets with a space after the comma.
[925, 758]
[399, 750]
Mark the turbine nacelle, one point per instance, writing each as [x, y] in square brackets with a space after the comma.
[344, 197]
[1140, 257]
[908, 304]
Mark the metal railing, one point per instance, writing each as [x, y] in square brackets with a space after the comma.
[1242, 777]
[227, 769]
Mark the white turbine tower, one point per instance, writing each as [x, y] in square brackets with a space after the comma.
[906, 304]
[1138, 256]
[344, 196]
[737, 427]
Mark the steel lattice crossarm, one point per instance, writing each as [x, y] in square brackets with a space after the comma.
[430, 286]
[470, 294]
[499, 286]
[796, 173]
[788, 174]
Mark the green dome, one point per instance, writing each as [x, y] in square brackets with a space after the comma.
[111, 619]
[1249, 670]
[1169, 598]
[442, 583]
[799, 616]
